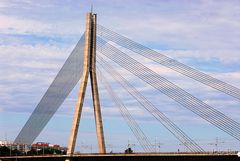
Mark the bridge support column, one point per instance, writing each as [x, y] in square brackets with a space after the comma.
[89, 67]
[95, 95]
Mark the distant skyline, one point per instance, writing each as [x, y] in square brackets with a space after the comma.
[38, 36]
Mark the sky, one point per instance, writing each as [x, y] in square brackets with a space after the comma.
[36, 37]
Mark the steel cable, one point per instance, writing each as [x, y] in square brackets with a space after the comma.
[169, 62]
[57, 92]
[146, 104]
[179, 95]
[135, 128]
[178, 98]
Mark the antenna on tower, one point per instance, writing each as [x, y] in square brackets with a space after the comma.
[91, 8]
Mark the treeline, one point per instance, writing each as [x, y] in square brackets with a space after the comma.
[5, 151]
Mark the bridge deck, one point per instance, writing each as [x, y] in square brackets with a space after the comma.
[132, 157]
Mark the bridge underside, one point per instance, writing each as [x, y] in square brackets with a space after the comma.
[130, 157]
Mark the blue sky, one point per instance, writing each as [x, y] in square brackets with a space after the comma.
[36, 37]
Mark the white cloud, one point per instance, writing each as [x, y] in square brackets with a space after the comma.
[225, 56]
[203, 29]
[26, 72]
[33, 55]
[27, 26]
[10, 24]
[2, 4]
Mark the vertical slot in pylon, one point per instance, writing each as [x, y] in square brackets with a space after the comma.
[95, 95]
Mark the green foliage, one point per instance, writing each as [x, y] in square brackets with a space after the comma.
[4, 151]
[128, 151]
[16, 152]
[32, 152]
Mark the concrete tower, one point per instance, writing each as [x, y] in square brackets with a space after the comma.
[89, 68]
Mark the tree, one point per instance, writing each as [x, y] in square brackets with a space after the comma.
[32, 152]
[128, 151]
[16, 152]
[4, 151]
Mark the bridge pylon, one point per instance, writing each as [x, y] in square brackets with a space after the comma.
[89, 68]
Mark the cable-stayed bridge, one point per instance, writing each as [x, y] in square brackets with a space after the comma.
[97, 54]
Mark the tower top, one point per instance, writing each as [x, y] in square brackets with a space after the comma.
[91, 8]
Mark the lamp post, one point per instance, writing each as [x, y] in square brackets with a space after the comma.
[10, 149]
[216, 144]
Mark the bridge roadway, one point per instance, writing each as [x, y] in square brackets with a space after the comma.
[131, 157]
